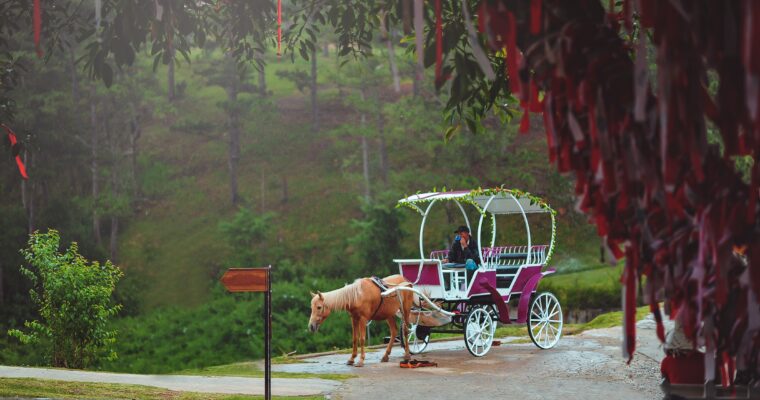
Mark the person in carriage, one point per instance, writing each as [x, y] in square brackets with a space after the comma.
[463, 249]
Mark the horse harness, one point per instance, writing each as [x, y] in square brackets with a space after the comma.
[383, 287]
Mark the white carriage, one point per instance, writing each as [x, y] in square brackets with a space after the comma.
[455, 300]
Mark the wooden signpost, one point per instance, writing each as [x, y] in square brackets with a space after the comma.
[238, 280]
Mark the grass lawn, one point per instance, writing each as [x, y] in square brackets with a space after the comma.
[607, 320]
[80, 390]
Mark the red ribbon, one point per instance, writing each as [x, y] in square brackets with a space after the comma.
[438, 42]
[535, 17]
[37, 19]
[513, 55]
[279, 27]
[14, 143]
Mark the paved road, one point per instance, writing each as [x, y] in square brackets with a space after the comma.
[202, 384]
[586, 366]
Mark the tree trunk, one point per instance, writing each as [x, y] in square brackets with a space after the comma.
[114, 237]
[263, 192]
[394, 67]
[74, 78]
[365, 165]
[313, 90]
[383, 149]
[234, 143]
[136, 132]
[417, 80]
[30, 198]
[2, 286]
[233, 124]
[94, 170]
[326, 49]
[24, 196]
[387, 34]
[365, 153]
[284, 199]
[262, 76]
[170, 72]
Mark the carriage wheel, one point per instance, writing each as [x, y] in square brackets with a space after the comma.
[545, 322]
[419, 337]
[479, 330]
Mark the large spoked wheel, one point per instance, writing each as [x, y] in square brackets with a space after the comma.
[419, 337]
[545, 322]
[479, 329]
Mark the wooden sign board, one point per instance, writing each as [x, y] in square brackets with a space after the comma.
[246, 279]
[256, 280]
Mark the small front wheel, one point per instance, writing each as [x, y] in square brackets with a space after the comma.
[418, 339]
[545, 321]
[479, 329]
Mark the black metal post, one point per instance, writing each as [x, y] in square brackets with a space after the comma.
[268, 336]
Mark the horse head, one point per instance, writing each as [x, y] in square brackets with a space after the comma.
[319, 311]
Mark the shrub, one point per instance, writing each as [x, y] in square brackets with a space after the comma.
[73, 297]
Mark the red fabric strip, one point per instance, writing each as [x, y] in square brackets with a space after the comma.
[14, 142]
[439, 42]
[535, 105]
[21, 167]
[279, 28]
[535, 17]
[37, 20]
[482, 16]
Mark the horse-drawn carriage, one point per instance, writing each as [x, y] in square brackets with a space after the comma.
[454, 299]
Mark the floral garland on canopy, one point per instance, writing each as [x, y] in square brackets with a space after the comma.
[660, 196]
[500, 191]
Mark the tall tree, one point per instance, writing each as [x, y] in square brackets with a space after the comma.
[313, 91]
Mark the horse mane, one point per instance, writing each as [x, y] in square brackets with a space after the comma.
[345, 297]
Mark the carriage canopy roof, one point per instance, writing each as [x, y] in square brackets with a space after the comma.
[502, 201]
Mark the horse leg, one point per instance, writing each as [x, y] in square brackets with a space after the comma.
[405, 313]
[354, 340]
[394, 331]
[361, 326]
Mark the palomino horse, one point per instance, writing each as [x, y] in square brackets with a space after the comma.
[363, 301]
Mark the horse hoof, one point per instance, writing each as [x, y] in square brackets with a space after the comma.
[350, 362]
[385, 359]
[359, 364]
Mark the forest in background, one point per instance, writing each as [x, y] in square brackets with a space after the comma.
[178, 172]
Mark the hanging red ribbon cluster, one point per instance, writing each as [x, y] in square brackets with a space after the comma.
[37, 23]
[673, 205]
[501, 26]
[15, 150]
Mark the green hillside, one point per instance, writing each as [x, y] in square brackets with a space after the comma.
[176, 244]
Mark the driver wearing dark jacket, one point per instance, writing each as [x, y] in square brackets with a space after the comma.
[463, 248]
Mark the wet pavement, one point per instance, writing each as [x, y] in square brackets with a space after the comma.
[585, 366]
